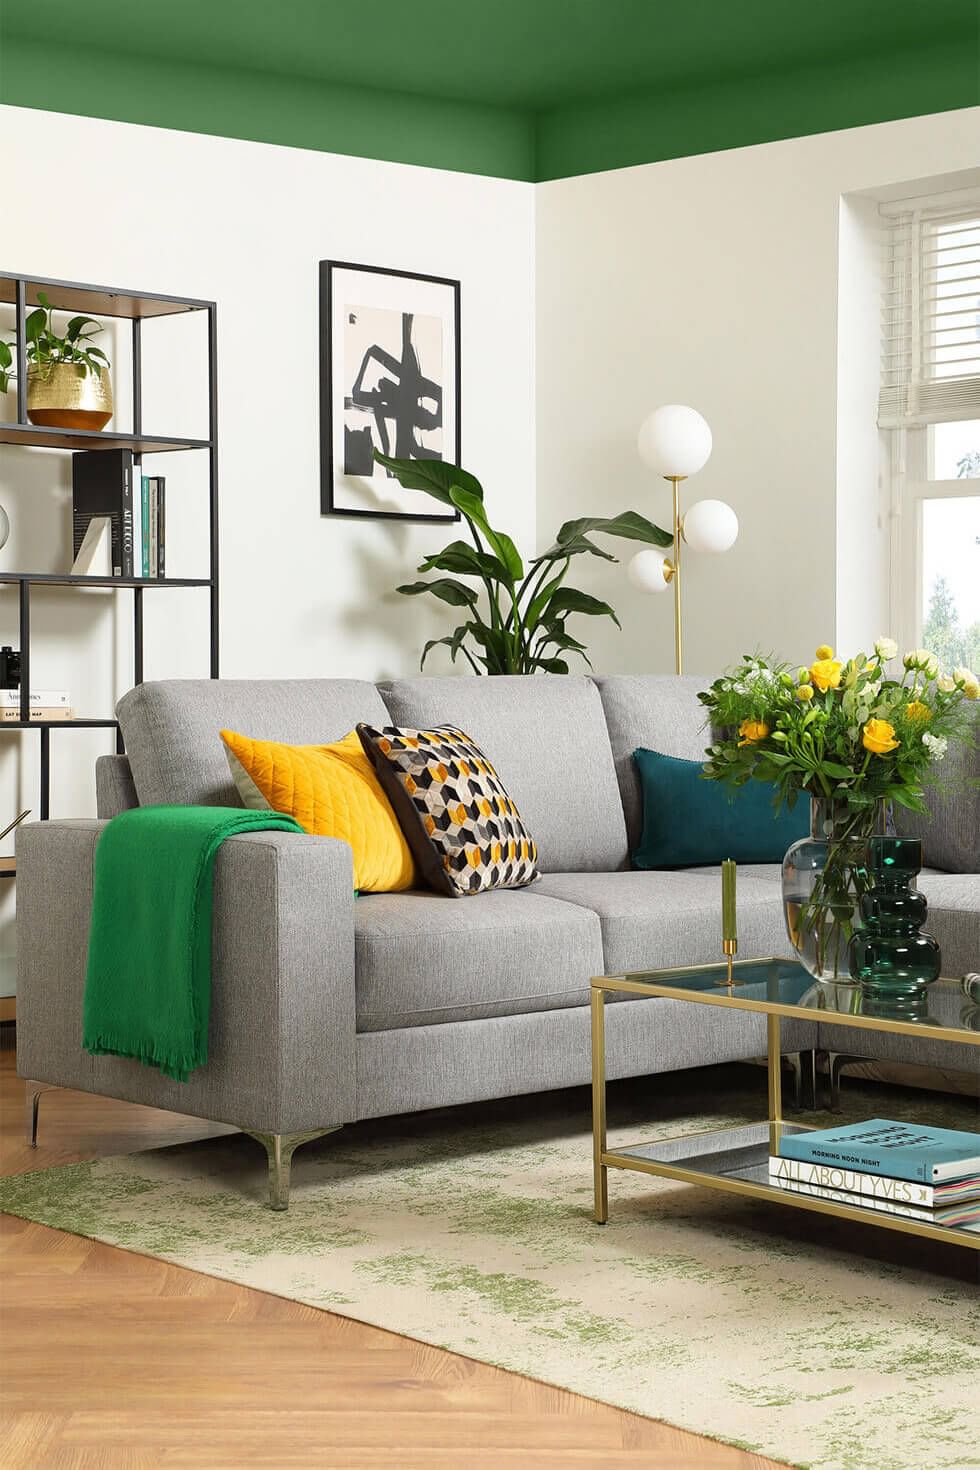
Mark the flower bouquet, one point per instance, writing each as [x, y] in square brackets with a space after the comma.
[852, 737]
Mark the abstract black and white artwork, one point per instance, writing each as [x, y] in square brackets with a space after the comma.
[389, 380]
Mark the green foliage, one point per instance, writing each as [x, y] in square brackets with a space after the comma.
[521, 624]
[45, 347]
[952, 644]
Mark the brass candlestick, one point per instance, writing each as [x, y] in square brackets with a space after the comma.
[729, 931]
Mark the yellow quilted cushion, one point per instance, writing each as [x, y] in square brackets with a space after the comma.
[332, 791]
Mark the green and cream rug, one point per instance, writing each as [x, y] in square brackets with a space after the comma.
[813, 1342]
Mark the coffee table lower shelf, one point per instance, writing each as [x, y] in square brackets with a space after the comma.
[737, 1160]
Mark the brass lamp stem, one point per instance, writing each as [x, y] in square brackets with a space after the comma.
[675, 480]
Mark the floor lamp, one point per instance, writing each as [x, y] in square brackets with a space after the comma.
[675, 441]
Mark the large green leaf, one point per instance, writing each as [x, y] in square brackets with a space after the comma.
[465, 561]
[629, 524]
[497, 645]
[563, 549]
[35, 322]
[454, 642]
[434, 476]
[472, 507]
[537, 607]
[570, 599]
[552, 665]
[457, 594]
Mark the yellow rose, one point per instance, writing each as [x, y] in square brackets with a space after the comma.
[879, 737]
[918, 712]
[752, 730]
[805, 692]
[824, 651]
[826, 673]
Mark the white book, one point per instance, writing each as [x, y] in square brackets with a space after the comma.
[966, 1214]
[9, 716]
[94, 557]
[10, 698]
[137, 520]
[793, 1172]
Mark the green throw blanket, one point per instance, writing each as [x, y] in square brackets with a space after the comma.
[148, 986]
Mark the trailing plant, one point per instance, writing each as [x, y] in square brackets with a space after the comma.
[46, 348]
[6, 364]
[515, 619]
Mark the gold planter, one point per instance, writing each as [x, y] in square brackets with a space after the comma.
[65, 395]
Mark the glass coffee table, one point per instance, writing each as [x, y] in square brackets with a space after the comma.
[737, 1159]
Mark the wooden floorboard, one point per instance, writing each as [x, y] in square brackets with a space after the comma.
[114, 1361]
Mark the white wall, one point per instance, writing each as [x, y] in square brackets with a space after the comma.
[714, 281]
[245, 224]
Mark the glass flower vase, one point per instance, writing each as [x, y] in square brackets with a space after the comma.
[889, 955]
[825, 876]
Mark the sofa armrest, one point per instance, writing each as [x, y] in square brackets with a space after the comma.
[281, 1037]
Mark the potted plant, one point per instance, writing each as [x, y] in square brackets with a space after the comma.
[68, 383]
[521, 627]
[854, 738]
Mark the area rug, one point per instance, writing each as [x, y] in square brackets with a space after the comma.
[811, 1341]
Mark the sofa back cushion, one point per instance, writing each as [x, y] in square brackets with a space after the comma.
[654, 712]
[171, 728]
[546, 736]
[950, 831]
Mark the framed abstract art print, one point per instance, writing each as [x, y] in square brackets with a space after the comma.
[389, 380]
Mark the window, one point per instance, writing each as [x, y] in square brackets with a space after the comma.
[930, 404]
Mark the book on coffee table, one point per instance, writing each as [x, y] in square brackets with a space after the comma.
[911, 1151]
[797, 1174]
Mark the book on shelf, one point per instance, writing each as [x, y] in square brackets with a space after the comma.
[156, 508]
[912, 1151]
[10, 698]
[102, 485]
[39, 712]
[965, 1214]
[795, 1173]
[94, 555]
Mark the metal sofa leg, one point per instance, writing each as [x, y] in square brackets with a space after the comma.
[280, 1148]
[835, 1061]
[792, 1060]
[34, 1090]
[803, 1065]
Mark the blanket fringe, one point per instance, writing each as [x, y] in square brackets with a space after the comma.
[178, 1068]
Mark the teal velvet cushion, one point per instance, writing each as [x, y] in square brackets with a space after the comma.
[689, 822]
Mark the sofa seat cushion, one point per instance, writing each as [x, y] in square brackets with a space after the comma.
[954, 918]
[422, 959]
[654, 920]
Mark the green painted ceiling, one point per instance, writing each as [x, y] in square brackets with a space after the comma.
[524, 88]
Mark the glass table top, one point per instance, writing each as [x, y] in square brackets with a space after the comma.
[945, 1010]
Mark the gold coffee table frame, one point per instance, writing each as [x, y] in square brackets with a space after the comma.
[684, 1158]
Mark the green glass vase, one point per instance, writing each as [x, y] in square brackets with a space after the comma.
[889, 954]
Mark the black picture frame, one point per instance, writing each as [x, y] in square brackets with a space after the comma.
[329, 381]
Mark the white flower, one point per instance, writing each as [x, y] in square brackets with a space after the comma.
[936, 745]
[922, 659]
[967, 681]
[946, 684]
[886, 648]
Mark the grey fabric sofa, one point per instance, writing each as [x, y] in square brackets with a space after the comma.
[328, 1009]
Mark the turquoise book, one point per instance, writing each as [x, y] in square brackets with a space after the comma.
[896, 1150]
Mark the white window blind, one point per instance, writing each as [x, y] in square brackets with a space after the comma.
[930, 341]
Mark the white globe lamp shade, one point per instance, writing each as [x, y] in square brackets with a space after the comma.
[710, 525]
[648, 570]
[674, 440]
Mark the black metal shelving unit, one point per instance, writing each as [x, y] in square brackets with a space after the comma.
[20, 291]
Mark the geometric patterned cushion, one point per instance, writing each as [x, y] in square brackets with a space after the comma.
[332, 791]
[465, 832]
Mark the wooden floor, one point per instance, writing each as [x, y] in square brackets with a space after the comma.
[111, 1359]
